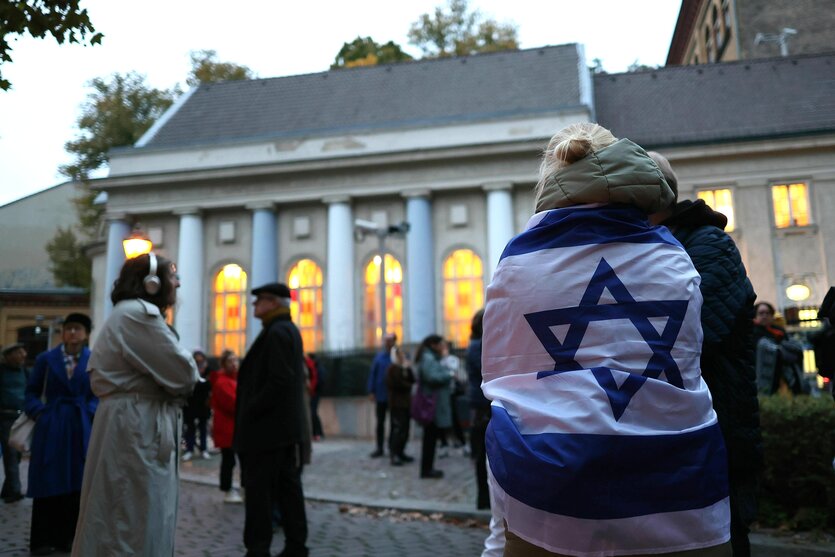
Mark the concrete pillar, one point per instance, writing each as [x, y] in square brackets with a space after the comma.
[189, 319]
[499, 224]
[420, 268]
[117, 230]
[340, 276]
[264, 258]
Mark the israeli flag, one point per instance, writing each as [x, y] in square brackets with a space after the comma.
[603, 439]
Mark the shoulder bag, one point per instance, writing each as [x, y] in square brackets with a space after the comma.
[20, 434]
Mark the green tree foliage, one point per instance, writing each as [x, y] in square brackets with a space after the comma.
[205, 68]
[116, 114]
[457, 31]
[366, 52]
[68, 263]
[63, 19]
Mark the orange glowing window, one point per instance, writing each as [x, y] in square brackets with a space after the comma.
[229, 307]
[721, 201]
[372, 324]
[791, 205]
[305, 282]
[463, 294]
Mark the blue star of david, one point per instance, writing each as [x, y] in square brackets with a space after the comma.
[589, 310]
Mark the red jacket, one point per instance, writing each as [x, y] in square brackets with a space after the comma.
[224, 387]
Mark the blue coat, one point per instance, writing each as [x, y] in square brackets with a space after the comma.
[63, 424]
[377, 377]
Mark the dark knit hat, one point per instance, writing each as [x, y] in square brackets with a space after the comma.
[274, 288]
[13, 346]
[81, 319]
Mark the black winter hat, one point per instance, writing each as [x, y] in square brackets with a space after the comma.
[274, 288]
[81, 319]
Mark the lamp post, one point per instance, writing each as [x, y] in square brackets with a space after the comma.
[137, 243]
[363, 227]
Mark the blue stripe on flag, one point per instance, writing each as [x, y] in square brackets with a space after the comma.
[602, 477]
[580, 226]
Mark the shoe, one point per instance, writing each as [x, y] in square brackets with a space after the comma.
[432, 475]
[187, 456]
[376, 454]
[406, 458]
[396, 461]
[206, 455]
[43, 550]
[232, 496]
[14, 498]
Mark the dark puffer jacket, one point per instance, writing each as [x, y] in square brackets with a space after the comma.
[727, 357]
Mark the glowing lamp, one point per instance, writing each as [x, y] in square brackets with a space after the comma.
[136, 244]
[798, 292]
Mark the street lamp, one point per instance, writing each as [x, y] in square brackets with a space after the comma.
[366, 227]
[137, 243]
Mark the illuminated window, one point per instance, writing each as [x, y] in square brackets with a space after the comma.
[305, 282]
[722, 201]
[230, 306]
[791, 205]
[463, 294]
[372, 331]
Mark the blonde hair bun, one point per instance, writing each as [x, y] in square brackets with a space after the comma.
[573, 149]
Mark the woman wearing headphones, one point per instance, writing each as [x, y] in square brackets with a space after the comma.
[142, 377]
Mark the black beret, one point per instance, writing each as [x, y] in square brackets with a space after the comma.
[274, 288]
[81, 319]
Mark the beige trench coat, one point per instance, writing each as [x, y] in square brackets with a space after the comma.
[130, 491]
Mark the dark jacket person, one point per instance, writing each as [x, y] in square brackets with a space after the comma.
[727, 360]
[271, 425]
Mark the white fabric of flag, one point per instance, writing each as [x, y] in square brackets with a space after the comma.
[603, 439]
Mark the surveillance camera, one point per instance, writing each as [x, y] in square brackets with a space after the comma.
[366, 225]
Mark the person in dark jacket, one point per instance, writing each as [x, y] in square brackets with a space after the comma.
[13, 377]
[399, 380]
[272, 426]
[480, 407]
[378, 392]
[197, 410]
[727, 360]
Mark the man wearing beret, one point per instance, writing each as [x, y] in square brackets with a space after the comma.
[271, 426]
[13, 377]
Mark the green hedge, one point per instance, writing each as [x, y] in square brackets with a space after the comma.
[797, 490]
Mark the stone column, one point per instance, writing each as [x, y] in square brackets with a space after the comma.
[420, 267]
[499, 224]
[264, 258]
[340, 276]
[189, 320]
[117, 230]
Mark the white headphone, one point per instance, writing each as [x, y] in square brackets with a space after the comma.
[151, 282]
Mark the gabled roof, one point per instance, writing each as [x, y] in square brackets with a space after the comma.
[411, 94]
[712, 103]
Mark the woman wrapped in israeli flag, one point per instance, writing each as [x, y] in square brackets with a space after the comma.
[603, 440]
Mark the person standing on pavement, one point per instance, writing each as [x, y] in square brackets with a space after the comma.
[272, 433]
[480, 408]
[378, 392]
[142, 377]
[13, 377]
[197, 410]
[435, 380]
[399, 380]
[60, 437]
[727, 360]
[224, 394]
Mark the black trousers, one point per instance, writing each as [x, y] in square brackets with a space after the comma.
[315, 421]
[399, 436]
[431, 433]
[382, 408]
[11, 459]
[53, 521]
[481, 418]
[227, 466]
[267, 476]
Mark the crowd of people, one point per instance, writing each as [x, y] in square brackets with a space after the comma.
[576, 438]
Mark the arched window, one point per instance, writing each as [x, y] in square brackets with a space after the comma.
[305, 282]
[229, 302]
[463, 294]
[372, 331]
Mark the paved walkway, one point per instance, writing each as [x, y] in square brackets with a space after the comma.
[357, 506]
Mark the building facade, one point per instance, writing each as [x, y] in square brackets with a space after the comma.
[243, 183]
